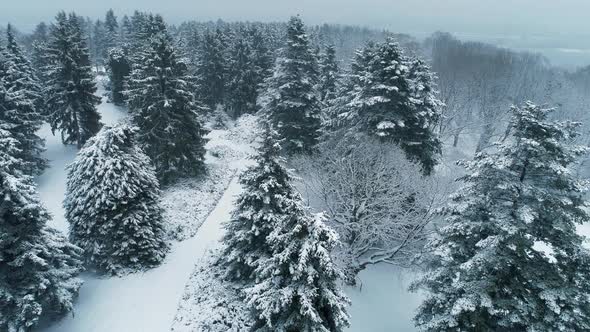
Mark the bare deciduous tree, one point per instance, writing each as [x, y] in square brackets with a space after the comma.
[379, 202]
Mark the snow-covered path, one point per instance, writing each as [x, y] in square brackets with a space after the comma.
[141, 302]
[52, 183]
[146, 302]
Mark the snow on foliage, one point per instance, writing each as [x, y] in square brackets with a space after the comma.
[378, 200]
[38, 266]
[391, 96]
[486, 270]
[164, 108]
[112, 203]
[70, 90]
[20, 104]
[290, 101]
[187, 203]
[210, 302]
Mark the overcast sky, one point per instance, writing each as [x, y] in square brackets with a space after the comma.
[560, 29]
[505, 17]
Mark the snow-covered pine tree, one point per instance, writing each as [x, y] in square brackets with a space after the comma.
[337, 111]
[297, 286]
[428, 107]
[112, 203]
[290, 101]
[166, 112]
[328, 74]
[385, 104]
[281, 253]
[243, 86]
[40, 34]
[139, 31]
[19, 105]
[267, 188]
[261, 56]
[99, 40]
[38, 266]
[70, 92]
[39, 60]
[509, 258]
[111, 27]
[125, 31]
[211, 68]
[118, 68]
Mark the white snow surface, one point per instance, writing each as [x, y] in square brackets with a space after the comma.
[52, 183]
[146, 301]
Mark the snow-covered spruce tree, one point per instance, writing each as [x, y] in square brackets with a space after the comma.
[38, 59]
[111, 27]
[38, 266]
[70, 92]
[97, 43]
[211, 70]
[388, 105]
[297, 287]
[267, 190]
[166, 112]
[336, 112]
[118, 68]
[19, 105]
[328, 74]
[243, 86]
[510, 258]
[261, 57]
[290, 101]
[112, 204]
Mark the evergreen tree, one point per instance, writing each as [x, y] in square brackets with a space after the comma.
[166, 112]
[70, 92]
[38, 267]
[112, 203]
[282, 253]
[210, 73]
[126, 31]
[267, 188]
[40, 34]
[428, 108]
[261, 56]
[290, 101]
[328, 74]
[509, 258]
[338, 110]
[20, 102]
[39, 60]
[99, 43]
[118, 68]
[242, 87]
[385, 105]
[298, 287]
[111, 27]
[139, 30]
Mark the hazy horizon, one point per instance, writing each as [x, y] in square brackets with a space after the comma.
[561, 28]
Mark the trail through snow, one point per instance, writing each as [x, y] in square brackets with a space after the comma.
[52, 183]
[141, 302]
[146, 302]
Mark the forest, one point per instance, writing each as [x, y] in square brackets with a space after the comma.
[255, 176]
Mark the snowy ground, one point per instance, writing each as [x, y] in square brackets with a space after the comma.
[52, 183]
[167, 296]
[147, 301]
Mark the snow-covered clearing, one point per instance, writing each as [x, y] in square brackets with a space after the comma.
[145, 302]
[380, 303]
[148, 301]
[52, 183]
